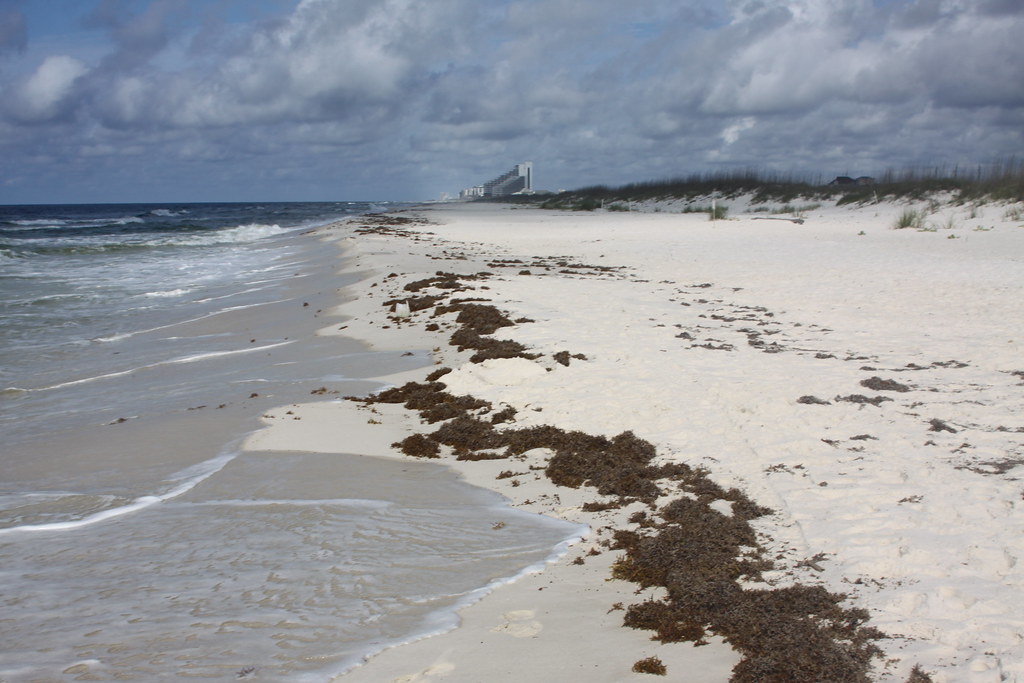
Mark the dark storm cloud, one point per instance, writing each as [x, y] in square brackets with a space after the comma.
[592, 91]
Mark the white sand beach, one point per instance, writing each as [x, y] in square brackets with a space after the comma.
[864, 383]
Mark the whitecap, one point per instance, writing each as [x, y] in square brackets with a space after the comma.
[358, 503]
[39, 222]
[168, 293]
[251, 232]
[218, 354]
[184, 480]
[174, 361]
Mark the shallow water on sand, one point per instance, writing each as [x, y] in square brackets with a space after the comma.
[137, 542]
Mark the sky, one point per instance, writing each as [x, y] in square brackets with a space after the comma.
[296, 100]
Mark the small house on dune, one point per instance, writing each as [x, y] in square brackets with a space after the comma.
[847, 180]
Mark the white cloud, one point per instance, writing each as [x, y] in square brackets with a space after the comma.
[42, 96]
[732, 132]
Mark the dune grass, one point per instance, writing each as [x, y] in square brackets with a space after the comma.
[1002, 181]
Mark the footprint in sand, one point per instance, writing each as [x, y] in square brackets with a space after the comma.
[519, 624]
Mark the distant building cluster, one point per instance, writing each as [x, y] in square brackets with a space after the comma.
[847, 180]
[519, 180]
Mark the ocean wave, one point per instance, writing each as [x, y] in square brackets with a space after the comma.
[86, 380]
[219, 354]
[36, 222]
[446, 619]
[173, 361]
[111, 237]
[167, 293]
[48, 300]
[69, 224]
[116, 337]
[181, 482]
[359, 503]
[73, 247]
[250, 232]
[43, 507]
[127, 335]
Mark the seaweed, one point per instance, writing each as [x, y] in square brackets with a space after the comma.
[477, 320]
[416, 303]
[618, 466]
[488, 348]
[788, 634]
[430, 399]
[937, 425]
[505, 415]
[418, 446]
[879, 384]
[862, 399]
[650, 665]
[443, 280]
[917, 675]
[563, 357]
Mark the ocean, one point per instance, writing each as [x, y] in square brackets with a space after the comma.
[139, 345]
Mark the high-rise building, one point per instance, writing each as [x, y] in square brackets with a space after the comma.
[519, 179]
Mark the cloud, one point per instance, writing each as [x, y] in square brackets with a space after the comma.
[45, 95]
[592, 91]
[13, 31]
[328, 60]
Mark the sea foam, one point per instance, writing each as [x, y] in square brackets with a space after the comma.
[183, 481]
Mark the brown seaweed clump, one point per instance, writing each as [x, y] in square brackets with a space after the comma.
[443, 280]
[418, 446]
[650, 665]
[430, 399]
[563, 357]
[476, 322]
[879, 384]
[488, 348]
[799, 633]
[615, 467]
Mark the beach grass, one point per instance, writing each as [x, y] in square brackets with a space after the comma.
[1000, 181]
[910, 218]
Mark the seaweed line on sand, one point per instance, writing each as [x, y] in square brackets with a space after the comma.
[698, 555]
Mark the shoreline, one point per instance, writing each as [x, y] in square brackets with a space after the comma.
[736, 398]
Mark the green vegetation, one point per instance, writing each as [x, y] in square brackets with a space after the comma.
[910, 218]
[1002, 181]
[795, 210]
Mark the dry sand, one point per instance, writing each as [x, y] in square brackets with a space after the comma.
[710, 340]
